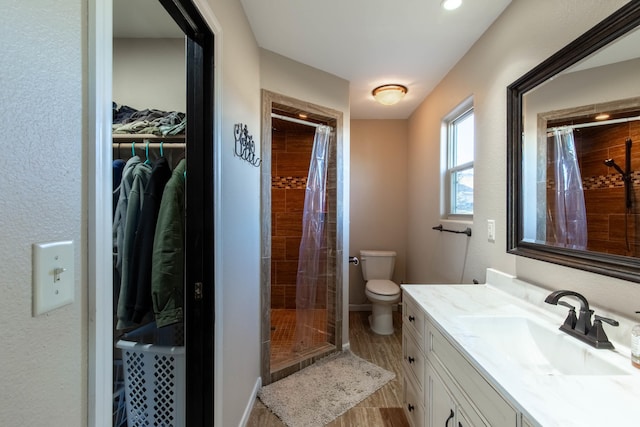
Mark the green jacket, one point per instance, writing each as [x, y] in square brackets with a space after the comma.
[167, 274]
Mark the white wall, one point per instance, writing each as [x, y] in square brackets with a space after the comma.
[525, 34]
[290, 78]
[44, 362]
[44, 359]
[151, 70]
[238, 252]
[378, 196]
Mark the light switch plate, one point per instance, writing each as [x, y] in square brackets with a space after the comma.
[491, 230]
[53, 276]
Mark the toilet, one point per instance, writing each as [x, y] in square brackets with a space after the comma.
[377, 271]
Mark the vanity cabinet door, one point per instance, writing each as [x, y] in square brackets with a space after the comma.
[480, 400]
[462, 420]
[443, 410]
[440, 405]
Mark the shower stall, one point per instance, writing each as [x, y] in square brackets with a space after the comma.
[301, 293]
[605, 168]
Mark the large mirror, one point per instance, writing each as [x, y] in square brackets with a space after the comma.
[574, 153]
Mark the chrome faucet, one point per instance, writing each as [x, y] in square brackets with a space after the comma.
[581, 327]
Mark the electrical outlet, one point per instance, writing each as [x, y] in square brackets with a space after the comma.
[53, 276]
[491, 230]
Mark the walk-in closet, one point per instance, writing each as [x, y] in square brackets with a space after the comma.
[161, 140]
[149, 172]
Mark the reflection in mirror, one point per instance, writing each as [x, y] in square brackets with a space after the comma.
[574, 154]
[585, 175]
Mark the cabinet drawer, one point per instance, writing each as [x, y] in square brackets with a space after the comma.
[413, 319]
[413, 359]
[413, 403]
[446, 359]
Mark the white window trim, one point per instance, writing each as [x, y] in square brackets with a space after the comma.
[446, 200]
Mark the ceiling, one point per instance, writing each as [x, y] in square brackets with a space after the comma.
[625, 48]
[367, 42]
[373, 42]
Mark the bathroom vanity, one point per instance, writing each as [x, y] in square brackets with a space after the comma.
[492, 355]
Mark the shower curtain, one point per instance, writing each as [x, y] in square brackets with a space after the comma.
[311, 244]
[570, 217]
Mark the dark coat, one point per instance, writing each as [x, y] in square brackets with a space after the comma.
[167, 274]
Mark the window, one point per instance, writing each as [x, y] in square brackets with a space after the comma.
[459, 171]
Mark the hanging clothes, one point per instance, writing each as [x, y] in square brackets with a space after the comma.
[141, 175]
[140, 303]
[167, 273]
[119, 219]
[118, 168]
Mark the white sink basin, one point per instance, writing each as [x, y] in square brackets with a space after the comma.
[538, 348]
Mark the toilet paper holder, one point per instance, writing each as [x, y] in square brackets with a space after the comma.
[354, 260]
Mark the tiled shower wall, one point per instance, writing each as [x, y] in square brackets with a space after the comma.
[291, 153]
[604, 191]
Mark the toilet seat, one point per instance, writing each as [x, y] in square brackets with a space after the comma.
[383, 287]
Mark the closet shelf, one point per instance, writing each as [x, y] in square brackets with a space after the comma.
[140, 138]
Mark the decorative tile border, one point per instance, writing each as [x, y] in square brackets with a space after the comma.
[602, 181]
[289, 182]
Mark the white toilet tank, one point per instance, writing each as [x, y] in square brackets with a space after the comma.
[377, 264]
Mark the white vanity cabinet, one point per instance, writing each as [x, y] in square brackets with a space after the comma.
[414, 363]
[443, 410]
[442, 389]
[483, 355]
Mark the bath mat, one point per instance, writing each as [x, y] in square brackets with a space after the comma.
[323, 391]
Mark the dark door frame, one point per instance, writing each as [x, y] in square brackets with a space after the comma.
[199, 194]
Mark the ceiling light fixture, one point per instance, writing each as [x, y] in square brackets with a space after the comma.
[602, 116]
[451, 4]
[389, 94]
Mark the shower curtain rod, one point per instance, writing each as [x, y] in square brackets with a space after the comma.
[598, 123]
[294, 120]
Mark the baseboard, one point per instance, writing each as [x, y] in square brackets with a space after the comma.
[359, 307]
[367, 307]
[252, 401]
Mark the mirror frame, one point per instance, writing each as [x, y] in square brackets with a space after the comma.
[616, 25]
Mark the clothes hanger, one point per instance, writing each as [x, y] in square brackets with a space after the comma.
[146, 153]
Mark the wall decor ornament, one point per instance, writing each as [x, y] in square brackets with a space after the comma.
[244, 145]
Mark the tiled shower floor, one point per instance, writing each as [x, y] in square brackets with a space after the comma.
[283, 331]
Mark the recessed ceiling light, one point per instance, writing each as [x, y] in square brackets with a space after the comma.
[602, 116]
[451, 4]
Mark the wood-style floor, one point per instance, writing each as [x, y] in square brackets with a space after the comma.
[384, 407]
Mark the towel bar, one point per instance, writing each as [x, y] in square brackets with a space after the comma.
[466, 231]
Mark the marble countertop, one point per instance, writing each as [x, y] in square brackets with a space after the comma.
[548, 399]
